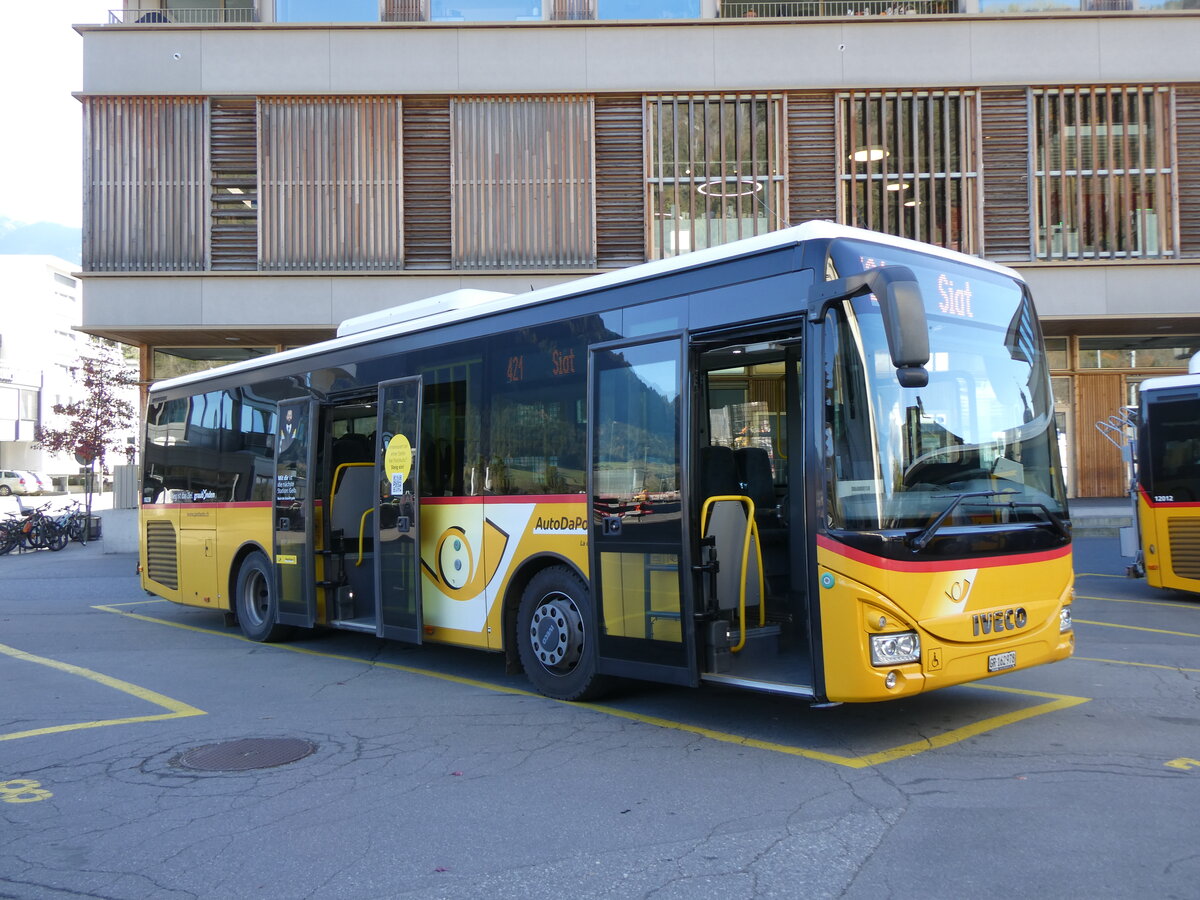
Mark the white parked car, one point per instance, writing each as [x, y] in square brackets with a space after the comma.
[16, 482]
[45, 485]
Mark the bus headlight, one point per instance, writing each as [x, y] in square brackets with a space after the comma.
[891, 649]
[1064, 619]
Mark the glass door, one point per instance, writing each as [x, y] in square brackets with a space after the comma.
[397, 517]
[635, 440]
[295, 575]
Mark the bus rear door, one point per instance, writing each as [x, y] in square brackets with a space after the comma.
[397, 517]
[295, 572]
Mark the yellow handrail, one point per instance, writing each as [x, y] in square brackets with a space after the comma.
[362, 526]
[752, 531]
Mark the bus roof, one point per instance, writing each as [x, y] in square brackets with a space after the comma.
[460, 305]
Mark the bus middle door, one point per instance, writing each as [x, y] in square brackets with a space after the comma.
[397, 517]
[640, 564]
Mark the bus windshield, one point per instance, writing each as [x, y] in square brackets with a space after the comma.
[979, 440]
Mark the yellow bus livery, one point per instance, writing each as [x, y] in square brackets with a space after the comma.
[820, 463]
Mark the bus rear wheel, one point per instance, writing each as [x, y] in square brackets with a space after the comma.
[255, 601]
[554, 639]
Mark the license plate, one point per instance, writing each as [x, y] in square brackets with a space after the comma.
[998, 662]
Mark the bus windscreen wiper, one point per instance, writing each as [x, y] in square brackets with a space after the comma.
[921, 541]
[1052, 518]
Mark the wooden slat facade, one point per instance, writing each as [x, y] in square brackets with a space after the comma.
[233, 177]
[1101, 471]
[522, 173]
[1187, 145]
[620, 182]
[811, 156]
[427, 233]
[330, 183]
[1005, 167]
[144, 184]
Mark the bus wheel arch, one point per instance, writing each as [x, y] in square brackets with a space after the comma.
[513, 592]
[553, 631]
[253, 597]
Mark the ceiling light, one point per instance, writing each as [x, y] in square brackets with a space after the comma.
[873, 153]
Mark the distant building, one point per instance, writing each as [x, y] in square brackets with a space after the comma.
[38, 345]
[259, 170]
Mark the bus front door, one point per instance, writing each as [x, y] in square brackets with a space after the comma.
[397, 517]
[639, 559]
[295, 573]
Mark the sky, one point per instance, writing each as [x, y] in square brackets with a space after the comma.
[41, 63]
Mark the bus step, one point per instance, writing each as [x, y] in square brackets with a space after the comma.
[761, 643]
[364, 625]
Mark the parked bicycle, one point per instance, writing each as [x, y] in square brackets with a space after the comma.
[43, 529]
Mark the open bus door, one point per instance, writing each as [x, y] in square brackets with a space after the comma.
[295, 452]
[639, 557]
[397, 517]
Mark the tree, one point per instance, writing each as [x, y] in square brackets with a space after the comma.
[96, 423]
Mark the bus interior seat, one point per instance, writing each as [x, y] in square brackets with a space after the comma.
[718, 472]
[758, 483]
[753, 466]
[351, 448]
[726, 524]
[354, 492]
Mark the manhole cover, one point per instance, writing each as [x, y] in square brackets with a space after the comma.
[247, 753]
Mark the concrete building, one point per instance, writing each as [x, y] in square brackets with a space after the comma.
[38, 346]
[259, 170]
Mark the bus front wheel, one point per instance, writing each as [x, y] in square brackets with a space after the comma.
[255, 600]
[554, 639]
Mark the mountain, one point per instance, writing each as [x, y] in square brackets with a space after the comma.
[41, 238]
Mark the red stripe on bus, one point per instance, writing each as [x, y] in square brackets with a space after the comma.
[508, 498]
[238, 504]
[895, 565]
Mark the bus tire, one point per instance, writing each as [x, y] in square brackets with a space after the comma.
[255, 603]
[554, 639]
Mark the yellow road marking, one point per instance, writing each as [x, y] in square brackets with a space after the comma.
[1099, 575]
[1142, 665]
[1169, 605]
[177, 709]
[1137, 628]
[25, 790]
[1183, 763]
[954, 735]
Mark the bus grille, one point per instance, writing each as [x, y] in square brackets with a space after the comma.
[162, 561]
[1185, 547]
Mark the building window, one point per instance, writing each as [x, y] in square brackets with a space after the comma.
[327, 11]
[715, 169]
[522, 183]
[172, 362]
[1058, 353]
[1145, 352]
[908, 165]
[1103, 176]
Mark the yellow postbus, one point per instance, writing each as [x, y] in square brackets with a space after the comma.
[1167, 455]
[820, 462]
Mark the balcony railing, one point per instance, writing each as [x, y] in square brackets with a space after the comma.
[588, 10]
[789, 9]
[196, 16]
